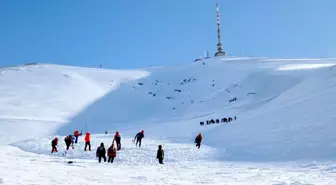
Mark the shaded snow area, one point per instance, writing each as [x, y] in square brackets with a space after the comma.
[34, 98]
[281, 132]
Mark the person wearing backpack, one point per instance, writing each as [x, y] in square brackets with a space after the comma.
[68, 141]
[101, 152]
[111, 153]
[160, 154]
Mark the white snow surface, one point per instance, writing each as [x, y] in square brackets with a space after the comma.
[283, 135]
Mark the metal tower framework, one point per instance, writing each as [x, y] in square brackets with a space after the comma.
[220, 51]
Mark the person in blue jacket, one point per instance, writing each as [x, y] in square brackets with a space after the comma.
[139, 137]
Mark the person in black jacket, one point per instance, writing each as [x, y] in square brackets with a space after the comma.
[160, 154]
[101, 152]
[68, 141]
[198, 140]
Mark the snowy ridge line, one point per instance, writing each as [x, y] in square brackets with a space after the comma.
[34, 119]
[301, 59]
[63, 66]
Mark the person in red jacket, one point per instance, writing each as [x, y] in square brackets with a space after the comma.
[87, 141]
[111, 153]
[54, 143]
[77, 134]
[117, 139]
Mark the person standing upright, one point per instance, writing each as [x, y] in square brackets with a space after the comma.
[87, 141]
[111, 153]
[160, 154]
[101, 152]
[117, 139]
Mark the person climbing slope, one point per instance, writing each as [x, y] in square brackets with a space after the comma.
[111, 153]
[101, 152]
[54, 143]
[68, 141]
[160, 154]
[139, 137]
[77, 134]
[87, 141]
[117, 139]
[198, 140]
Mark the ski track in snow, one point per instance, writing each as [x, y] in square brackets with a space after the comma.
[40, 101]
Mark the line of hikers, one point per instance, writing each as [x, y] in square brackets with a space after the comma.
[112, 151]
[223, 120]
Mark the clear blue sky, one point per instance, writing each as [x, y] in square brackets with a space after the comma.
[132, 34]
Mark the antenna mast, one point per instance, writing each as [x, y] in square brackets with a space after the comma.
[219, 45]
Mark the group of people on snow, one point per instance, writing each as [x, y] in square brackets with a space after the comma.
[112, 150]
[223, 120]
[101, 152]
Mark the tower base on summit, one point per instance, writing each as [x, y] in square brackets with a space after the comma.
[217, 54]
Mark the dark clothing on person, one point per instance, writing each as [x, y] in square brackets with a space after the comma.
[54, 149]
[110, 159]
[100, 157]
[111, 152]
[138, 138]
[160, 154]
[87, 144]
[54, 143]
[138, 141]
[68, 141]
[198, 140]
[101, 152]
[117, 138]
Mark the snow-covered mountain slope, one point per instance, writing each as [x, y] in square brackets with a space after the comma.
[284, 110]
